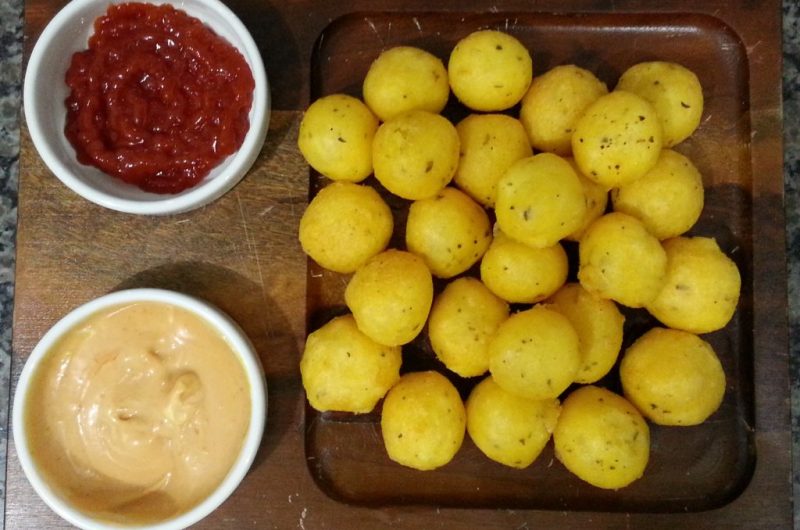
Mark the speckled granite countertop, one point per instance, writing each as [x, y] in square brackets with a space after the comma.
[10, 85]
[10, 66]
[791, 175]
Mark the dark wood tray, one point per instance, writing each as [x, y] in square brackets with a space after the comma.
[241, 253]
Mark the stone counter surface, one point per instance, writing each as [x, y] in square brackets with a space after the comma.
[10, 98]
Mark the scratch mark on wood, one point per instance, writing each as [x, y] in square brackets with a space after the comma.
[250, 242]
[752, 48]
[375, 31]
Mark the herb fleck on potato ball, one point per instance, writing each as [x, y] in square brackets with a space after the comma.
[702, 286]
[673, 377]
[489, 70]
[415, 154]
[601, 438]
[423, 421]
[509, 429]
[405, 78]
[336, 135]
[344, 225]
[344, 370]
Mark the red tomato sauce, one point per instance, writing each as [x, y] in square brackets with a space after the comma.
[158, 99]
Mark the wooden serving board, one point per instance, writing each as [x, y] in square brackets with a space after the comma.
[241, 253]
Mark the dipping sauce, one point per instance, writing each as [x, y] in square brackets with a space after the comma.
[138, 413]
[158, 99]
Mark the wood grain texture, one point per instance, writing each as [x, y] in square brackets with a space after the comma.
[241, 253]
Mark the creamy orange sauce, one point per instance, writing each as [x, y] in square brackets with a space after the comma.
[138, 413]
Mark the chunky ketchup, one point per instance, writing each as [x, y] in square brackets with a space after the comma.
[158, 99]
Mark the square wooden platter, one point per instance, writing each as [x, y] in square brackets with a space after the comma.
[241, 253]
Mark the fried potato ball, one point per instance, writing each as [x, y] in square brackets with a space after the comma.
[463, 319]
[415, 154]
[553, 104]
[617, 140]
[405, 78]
[596, 196]
[344, 370]
[423, 421]
[449, 231]
[673, 377]
[702, 286]
[601, 438]
[599, 325]
[621, 260]
[535, 354]
[490, 143]
[668, 199]
[540, 200]
[344, 225]
[489, 70]
[336, 135]
[390, 297]
[519, 273]
[509, 429]
[673, 90]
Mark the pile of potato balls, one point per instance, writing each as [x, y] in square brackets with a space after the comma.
[534, 164]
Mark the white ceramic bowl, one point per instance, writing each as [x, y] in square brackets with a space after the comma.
[238, 341]
[45, 113]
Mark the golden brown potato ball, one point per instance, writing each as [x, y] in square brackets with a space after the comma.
[415, 154]
[344, 225]
[490, 70]
[390, 297]
[490, 143]
[601, 438]
[617, 140]
[463, 319]
[673, 90]
[540, 200]
[519, 273]
[621, 260]
[344, 370]
[449, 231]
[553, 104]
[668, 199]
[599, 325]
[702, 286]
[336, 135]
[535, 354]
[423, 421]
[596, 196]
[405, 78]
[673, 377]
[509, 429]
